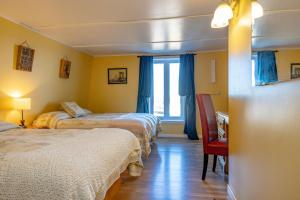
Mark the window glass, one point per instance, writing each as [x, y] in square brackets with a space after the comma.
[166, 102]
[158, 96]
[175, 105]
[254, 60]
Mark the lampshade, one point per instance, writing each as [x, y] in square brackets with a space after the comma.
[22, 103]
[223, 11]
[257, 10]
[219, 23]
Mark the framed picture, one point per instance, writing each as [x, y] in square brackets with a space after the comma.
[295, 70]
[117, 76]
[65, 68]
[25, 58]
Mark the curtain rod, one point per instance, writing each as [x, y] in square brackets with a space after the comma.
[167, 55]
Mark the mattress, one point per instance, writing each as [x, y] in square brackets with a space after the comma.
[65, 164]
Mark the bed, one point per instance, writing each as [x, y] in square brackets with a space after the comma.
[144, 126]
[65, 164]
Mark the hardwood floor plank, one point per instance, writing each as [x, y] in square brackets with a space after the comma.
[173, 172]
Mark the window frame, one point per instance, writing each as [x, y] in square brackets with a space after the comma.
[166, 63]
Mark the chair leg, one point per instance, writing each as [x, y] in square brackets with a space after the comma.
[215, 163]
[204, 166]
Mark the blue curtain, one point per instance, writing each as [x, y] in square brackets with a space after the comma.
[187, 90]
[265, 69]
[145, 84]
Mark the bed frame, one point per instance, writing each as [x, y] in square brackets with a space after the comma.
[113, 190]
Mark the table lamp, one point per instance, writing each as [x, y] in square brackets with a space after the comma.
[22, 104]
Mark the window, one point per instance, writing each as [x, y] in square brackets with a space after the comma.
[254, 62]
[267, 71]
[166, 102]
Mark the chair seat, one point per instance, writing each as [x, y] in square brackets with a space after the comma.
[218, 147]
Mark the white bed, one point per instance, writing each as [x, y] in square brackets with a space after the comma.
[65, 164]
[144, 126]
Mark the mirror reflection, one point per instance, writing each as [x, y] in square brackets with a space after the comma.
[276, 44]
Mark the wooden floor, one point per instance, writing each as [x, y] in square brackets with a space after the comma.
[173, 172]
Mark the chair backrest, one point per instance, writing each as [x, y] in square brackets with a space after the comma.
[207, 118]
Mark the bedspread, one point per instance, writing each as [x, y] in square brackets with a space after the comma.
[144, 126]
[65, 164]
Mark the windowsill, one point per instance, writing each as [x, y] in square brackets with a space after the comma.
[172, 121]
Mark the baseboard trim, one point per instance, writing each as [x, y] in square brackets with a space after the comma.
[230, 193]
[165, 135]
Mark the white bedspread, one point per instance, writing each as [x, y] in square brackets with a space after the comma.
[144, 126]
[65, 164]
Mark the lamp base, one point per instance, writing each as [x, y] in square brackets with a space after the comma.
[22, 124]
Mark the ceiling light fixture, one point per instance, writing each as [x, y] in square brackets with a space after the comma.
[219, 22]
[224, 12]
[222, 15]
[257, 9]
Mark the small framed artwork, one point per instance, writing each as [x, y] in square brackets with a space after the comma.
[65, 68]
[117, 76]
[295, 70]
[25, 58]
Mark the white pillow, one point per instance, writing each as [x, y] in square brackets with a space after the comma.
[73, 109]
[49, 120]
[6, 126]
[87, 111]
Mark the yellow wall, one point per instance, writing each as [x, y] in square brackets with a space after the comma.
[43, 84]
[284, 58]
[264, 134]
[122, 98]
[239, 58]
[219, 90]
[113, 97]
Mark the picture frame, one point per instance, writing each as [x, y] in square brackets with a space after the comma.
[25, 58]
[295, 70]
[64, 69]
[117, 75]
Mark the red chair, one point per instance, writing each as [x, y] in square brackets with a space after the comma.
[211, 143]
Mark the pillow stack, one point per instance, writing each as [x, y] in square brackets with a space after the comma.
[48, 120]
[73, 109]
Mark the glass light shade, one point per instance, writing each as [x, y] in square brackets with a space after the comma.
[257, 10]
[219, 23]
[223, 11]
[22, 103]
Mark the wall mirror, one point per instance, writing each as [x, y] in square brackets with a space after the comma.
[276, 41]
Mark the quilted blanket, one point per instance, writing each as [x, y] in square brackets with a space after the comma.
[65, 164]
[144, 126]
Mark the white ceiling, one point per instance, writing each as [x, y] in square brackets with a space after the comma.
[107, 27]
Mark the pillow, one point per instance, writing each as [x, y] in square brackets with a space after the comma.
[87, 112]
[73, 109]
[6, 126]
[49, 120]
